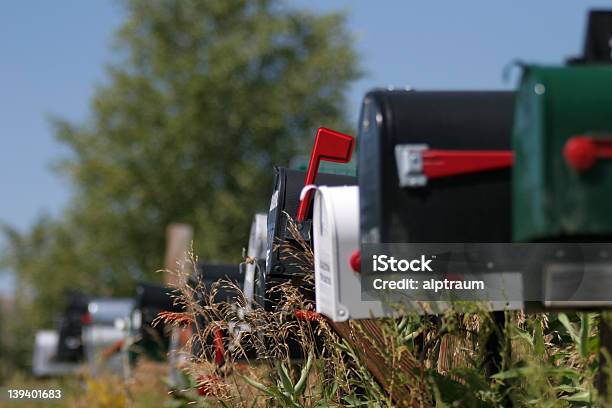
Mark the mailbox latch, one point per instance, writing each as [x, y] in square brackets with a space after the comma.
[417, 163]
[409, 158]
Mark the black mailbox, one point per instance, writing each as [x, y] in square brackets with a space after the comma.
[395, 128]
[151, 299]
[598, 39]
[75, 315]
[281, 264]
[205, 275]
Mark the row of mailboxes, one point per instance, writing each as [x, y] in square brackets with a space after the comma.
[480, 168]
[443, 167]
[83, 311]
[468, 167]
[416, 187]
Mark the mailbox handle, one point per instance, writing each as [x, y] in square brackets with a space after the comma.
[581, 152]
[329, 145]
[418, 163]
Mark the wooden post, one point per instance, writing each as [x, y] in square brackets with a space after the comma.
[365, 337]
[178, 243]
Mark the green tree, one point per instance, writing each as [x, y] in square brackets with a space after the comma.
[203, 98]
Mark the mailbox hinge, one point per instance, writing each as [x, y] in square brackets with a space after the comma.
[417, 163]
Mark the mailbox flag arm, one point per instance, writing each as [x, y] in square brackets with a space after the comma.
[444, 163]
[331, 146]
[418, 163]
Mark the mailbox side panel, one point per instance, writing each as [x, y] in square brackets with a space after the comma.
[551, 199]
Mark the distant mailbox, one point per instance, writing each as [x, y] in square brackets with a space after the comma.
[44, 357]
[205, 275]
[151, 299]
[70, 328]
[598, 39]
[107, 327]
[256, 252]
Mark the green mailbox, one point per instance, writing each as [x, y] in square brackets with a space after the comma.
[562, 139]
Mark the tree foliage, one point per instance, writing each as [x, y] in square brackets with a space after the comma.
[202, 99]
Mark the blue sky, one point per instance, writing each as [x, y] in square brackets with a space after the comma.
[52, 55]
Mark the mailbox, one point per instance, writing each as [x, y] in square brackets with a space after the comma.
[335, 227]
[286, 204]
[151, 299]
[44, 356]
[107, 328]
[598, 39]
[563, 146]
[71, 322]
[256, 252]
[434, 167]
[465, 204]
[280, 264]
[562, 179]
[205, 275]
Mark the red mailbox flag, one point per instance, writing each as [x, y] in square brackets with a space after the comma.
[331, 146]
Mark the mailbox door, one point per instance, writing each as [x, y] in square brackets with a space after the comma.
[467, 208]
[552, 200]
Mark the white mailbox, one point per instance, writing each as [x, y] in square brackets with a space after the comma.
[257, 252]
[44, 361]
[336, 236]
